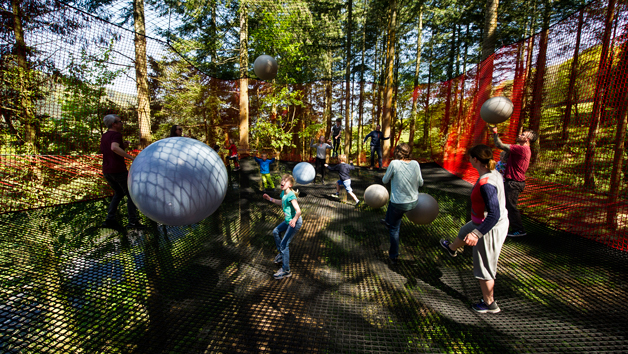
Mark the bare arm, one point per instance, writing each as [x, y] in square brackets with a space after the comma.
[115, 147]
[295, 204]
[272, 200]
[498, 142]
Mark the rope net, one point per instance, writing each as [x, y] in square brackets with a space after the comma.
[568, 83]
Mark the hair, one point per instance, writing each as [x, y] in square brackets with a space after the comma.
[342, 158]
[216, 147]
[289, 178]
[338, 120]
[264, 154]
[484, 154]
[173, 130]
[533, 135]
[402, 151]
[109, 119]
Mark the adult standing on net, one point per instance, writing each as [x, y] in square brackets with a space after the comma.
[376, 137]
[336, 131]
[515, 175]
[114, 170]
[321, 154]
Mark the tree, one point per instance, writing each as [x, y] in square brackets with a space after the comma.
[244, 81]
[141, 74]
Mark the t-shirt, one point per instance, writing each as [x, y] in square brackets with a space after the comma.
[286, 204]
[343, 170]
[233, 150]
[405, 178]
[518, 162]
[321, 149]
[376, 136]
[112, 162]
[500, 167]
[488, 202]
[335, 130]
[264, 166]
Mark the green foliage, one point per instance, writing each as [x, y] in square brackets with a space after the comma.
[278, 132]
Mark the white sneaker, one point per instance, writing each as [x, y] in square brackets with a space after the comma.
[282, 274]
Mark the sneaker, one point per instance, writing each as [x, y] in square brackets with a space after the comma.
[383, 222]
[482, 307]
[236, 169]
[358, 203]
[517, 234]
[278, 259]
[445, 245]
[282, 274]
[110, 224]
[335, 195]
[135, 225]
[323, 182]
[393, 261]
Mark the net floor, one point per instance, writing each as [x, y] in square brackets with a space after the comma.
[69, 287]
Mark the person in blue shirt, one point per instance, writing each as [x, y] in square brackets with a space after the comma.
[264, 169]
[376, 137]
[345, 180]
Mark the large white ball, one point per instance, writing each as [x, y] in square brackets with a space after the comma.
[265, 67]
[425, 211]
[376, 196]
[178, 181]
[304, 173]
[496, 110]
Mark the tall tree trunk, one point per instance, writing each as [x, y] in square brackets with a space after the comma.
[347, 144]
[572, 79]
[426, 122]
[600, 88]
[382, 84]
[388, 94]
[486, 65]
[525, 109]
[417, 66]
[141, 74]
[361, 101]
[244, 81]
[539, 79]
[328, 95]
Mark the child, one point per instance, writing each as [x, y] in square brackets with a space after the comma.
[501, 165]
[321, 154]
[233, 155]
[264, 169]
[335, 132]
[343, 171]
[291, 224]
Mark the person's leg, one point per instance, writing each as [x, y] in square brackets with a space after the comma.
[347, 185]
[118, 193]
[237, 162]
[264, 181]
[269, 178]
[379, 156]
[372, 156]
[121, 179]
[285, 242]
[512, 189]
[338, 187]
[393, 219]
[277, 234]
[487, 290]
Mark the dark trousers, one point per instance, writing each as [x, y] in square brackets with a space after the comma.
[512, 190]
[117, 181]
[336, 146]
[235, 160]
[393, 219]
[377, 149]
[320, 166]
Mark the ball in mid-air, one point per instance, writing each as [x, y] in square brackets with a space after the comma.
[376, 196]
[265, 67]
[496, 110]
[304, 173]
[425, 211]
[177, 181]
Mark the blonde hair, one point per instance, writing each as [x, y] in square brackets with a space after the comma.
[288, 177]
[484, 154]
[342, 158]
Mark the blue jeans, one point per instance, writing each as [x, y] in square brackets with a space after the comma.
[393, 219]
[283, 243]
[117, 181]
[378, 150]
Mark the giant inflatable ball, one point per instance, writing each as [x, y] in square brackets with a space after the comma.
[177, 181]
[376, 196]
[265, 67]
[496, 110]
[425, 211]
[304, 173]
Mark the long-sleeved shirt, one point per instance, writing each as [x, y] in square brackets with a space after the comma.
[376, 136]
[405, 178]
[488, 202]
[343, 170]
[264, 165]
[518, 159]
[321, 149]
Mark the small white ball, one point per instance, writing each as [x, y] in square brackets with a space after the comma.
[304, 173]
[376, 196]
[265, 67]
[496, 110]
[425, 211]
[177, 181]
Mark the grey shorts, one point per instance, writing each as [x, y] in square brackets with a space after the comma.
[486, 251]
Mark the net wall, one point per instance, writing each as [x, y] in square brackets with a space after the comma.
[577, 182]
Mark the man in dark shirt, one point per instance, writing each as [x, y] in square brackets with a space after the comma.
[515, 175]
[336, 129]
[115, 172]
[376, 137]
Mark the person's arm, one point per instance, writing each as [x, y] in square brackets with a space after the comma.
[420, 175]
[312, 144]
[388, 175]
[272, 160]
[329, 147]
[332, 168]
[115, 147]
[369, 135]
[385, 138]
[498, 142]
[297, 213]
[491, 203]
[257, 159]
[272, 200]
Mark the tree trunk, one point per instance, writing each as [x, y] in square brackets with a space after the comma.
[415, 95]
[388, 94]
[244, 81]
[348, 81]
[361, 101]
[426, 123]
[572, 80]
[539, 79]
[591, 142]
[141, 74]
[486, 66]
[328, 95]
